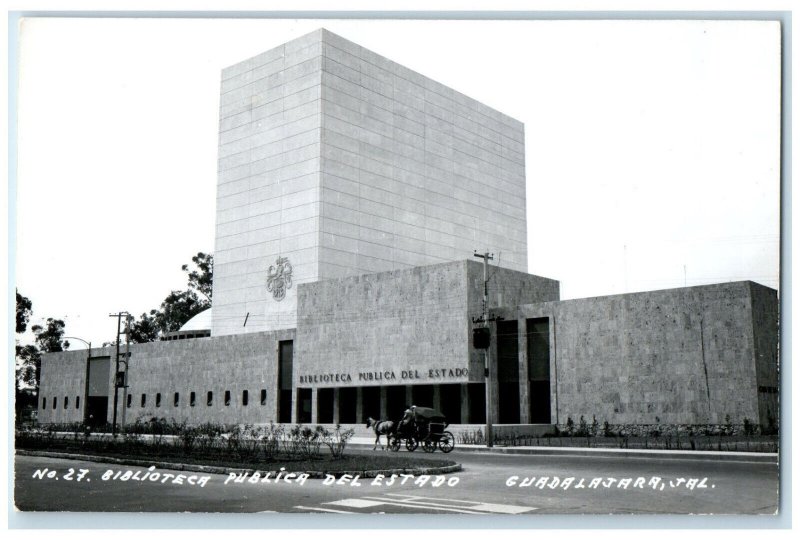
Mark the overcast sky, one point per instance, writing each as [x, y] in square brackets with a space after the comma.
[652, 148]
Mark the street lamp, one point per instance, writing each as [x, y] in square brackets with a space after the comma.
[86, 385]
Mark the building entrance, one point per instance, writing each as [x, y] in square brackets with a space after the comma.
[539, 369]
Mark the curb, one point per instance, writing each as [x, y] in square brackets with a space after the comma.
[640, 453]
[214, 469]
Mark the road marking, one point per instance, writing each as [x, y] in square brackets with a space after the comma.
[458, 506]
[313, 509]
[355, 503]
[503, 508]
[467, 505]
[428, 506]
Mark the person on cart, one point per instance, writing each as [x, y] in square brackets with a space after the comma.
[408, 417]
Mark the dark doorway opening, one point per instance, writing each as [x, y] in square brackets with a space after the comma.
[477, 403]
[97, 410]
[347, 406]
[285, 353]
[396, 402]
[325, 405]
[304, 405]
[422, 395]
[451, 402]
[539, 369]
[508, 372]
[371, 402]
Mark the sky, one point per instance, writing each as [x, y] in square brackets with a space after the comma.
[652, 147]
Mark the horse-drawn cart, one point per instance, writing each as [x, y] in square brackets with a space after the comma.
[426, 429]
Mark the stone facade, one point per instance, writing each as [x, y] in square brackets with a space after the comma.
[218, 364]
[346, 163]
[680, 356]
[412, 321]
[697, 355]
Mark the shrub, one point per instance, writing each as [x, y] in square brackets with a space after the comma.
[594, 427]
[336, 440]
[271, 440]
[583, 428]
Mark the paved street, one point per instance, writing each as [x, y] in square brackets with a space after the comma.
[583, 486]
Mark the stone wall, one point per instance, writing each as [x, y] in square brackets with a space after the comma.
[679, 356]
[268, 184]
[64, 376]
[765, 336]
[217, 364]
[413, 173]
[413, 320]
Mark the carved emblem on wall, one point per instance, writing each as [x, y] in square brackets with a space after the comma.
[279, 278]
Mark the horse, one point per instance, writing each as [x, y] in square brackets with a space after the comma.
[381, 427]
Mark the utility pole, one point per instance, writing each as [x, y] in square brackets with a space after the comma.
[128, 319]
[487, 366]
[116, 373]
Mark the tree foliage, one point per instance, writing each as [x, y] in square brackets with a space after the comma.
[24, 312]
[145, 329]
[179, 306]
[49, 338]
[202, 276]
[29, 361]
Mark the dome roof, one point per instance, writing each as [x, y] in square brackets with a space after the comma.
[201, 321]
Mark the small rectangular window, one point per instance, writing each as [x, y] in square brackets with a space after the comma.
[44, 403]
[55, 402]
[263, 397]
[244, 398]
[176, 399]
[77, 402]
[66, 402]
[227, 397]
[192, 399]
[130, 400]
[144, 399]
[158, 399]
[210, 398]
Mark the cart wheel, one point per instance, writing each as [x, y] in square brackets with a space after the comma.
[394, 444]
[429, 445]
[411, 444]
[447, 442]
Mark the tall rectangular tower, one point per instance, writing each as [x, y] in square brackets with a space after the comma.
[334, 161]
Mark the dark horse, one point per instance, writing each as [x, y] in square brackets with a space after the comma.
[381, 427]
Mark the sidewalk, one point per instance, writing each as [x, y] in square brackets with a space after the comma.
[760, 457]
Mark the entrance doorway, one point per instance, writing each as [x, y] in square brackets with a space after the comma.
[539, 369]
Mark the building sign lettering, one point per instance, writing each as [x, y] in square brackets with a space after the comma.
[386, 376]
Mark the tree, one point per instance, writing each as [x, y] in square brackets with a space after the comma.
[202, 277]
[29, 360]
[145, 329]
[49, 338]
[179, 306]
[24, 312]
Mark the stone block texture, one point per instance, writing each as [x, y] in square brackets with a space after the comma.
[418, 320]
[681, 356]
[63, 377]
[347, 163]
[216, 364]
[765, 315]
